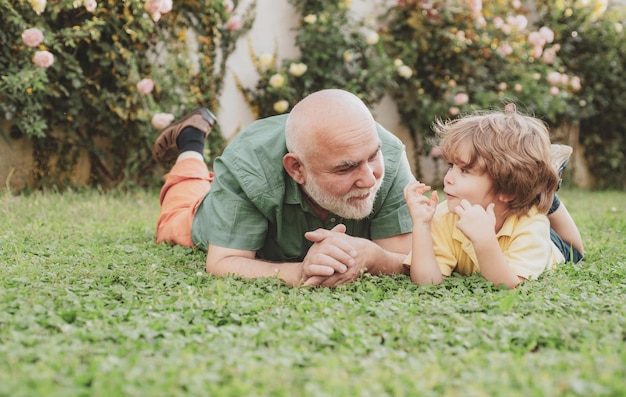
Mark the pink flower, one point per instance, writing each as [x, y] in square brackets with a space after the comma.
[549, 55]
[498, 22]
[145, 86]
[506, 49]
[90, 5]
[536, 39]
[461, 98]
[554, 78]
[476, 6]
[162, 120]
[537, 51]
[518, 21]
[547, 34]
[228, 6]
[157, 7]
[575, 83]
[43, 59]
[453, 111]
[435, 152]
[166, 6]
[32, 37]
[234, 23]
[554, 91]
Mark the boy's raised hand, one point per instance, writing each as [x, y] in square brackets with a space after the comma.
[475, 221]
[421, 208]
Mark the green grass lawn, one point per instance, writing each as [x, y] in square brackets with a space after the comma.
[91, 306]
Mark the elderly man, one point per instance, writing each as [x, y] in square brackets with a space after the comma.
[314, 197]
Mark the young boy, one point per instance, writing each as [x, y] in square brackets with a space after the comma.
[499, 188]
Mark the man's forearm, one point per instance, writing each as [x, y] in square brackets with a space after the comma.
[253, 268]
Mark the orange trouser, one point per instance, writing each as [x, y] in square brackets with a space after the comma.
[185, 186]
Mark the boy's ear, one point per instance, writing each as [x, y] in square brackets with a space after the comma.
[294, 168]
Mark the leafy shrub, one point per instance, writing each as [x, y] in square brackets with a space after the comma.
[337, 50]
[103, 72]
[566, 68]
[467, 55]
[593, 46]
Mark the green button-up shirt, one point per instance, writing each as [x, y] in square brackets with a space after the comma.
[254, 204]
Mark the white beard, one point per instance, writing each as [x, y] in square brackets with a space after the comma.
[342, 206]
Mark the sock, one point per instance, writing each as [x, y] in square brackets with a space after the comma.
[190, 139]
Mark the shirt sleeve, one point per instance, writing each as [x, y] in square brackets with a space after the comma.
[445, 247]
[227, 217]
[529, 249]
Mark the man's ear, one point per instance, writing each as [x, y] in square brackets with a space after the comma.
[292, 165]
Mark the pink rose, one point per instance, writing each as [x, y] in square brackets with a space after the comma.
[166, 6]
[145, 86]
[157, 7]
[519, 21]
[228, 6]
[461, 98]
[234, 23]
[32, 37]
[90, 5]
[547, 34]
[554, 91]
[537, 51]
[575, 83]
[435, 152]
[162, 120]
[43, 59]
[476, 6]
[453, 111]
[506, 49]
[549, 56]
[554, 78]
[536, 39]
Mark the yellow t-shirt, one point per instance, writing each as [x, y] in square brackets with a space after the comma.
[524, 241]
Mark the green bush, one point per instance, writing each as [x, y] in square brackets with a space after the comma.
[593, 46]
[337, 50]
[468, 55]
[93, 90]
[566, 67]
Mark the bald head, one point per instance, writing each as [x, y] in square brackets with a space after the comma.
[322, 117]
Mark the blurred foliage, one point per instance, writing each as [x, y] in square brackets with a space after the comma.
[593, 46]
[337, 50]
[88, 99]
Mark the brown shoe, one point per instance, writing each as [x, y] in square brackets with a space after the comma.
[165, 149]
[560, 156]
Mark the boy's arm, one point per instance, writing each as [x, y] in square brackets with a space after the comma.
[424, 267]
[493, 263]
